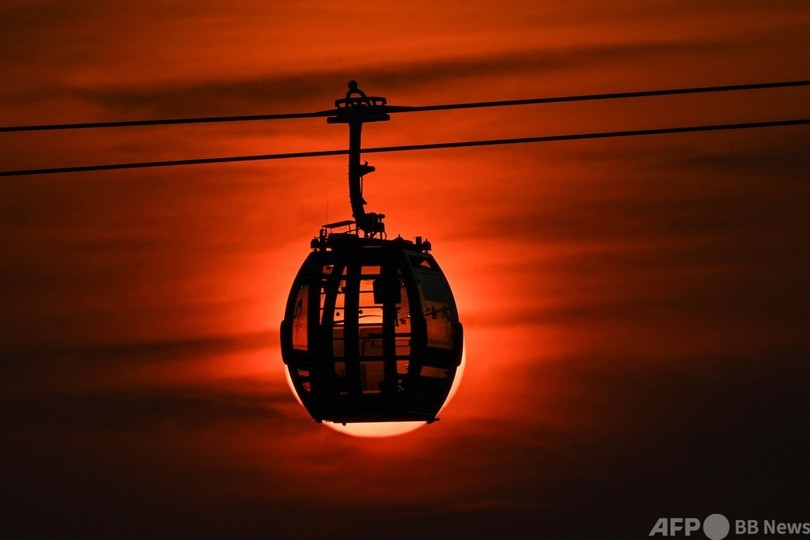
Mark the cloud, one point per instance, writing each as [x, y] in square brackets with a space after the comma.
[632, 424]
[780, 157]
[315, 89]
[75, 367]
[153, 408]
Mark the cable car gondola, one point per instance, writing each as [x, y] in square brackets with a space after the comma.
[371, 332]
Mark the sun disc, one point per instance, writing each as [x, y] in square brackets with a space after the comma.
[387, 429]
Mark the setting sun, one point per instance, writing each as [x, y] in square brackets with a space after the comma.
[390, 429]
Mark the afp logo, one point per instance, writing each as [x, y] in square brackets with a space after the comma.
[715, 527]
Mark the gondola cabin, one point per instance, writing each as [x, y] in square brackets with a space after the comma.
[370, 331]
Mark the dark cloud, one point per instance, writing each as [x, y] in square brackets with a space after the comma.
[639, 190]
[780, 159]
[718, 418]
[173, 407]
[45, 379]
[315, 90]
[638, 436]
[151, 351]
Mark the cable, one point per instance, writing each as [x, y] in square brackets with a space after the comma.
[172, 163]
[164, 122]
[596, 135]
[424, 108]
[594, 97]
[429, 146]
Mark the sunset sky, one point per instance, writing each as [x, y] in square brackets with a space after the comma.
[636, 310]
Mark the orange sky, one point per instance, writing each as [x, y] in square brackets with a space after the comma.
[636, 310]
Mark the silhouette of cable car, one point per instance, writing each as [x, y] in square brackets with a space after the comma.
[371, 332]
